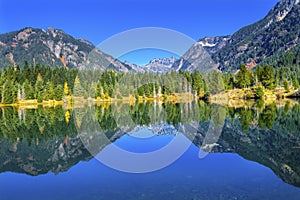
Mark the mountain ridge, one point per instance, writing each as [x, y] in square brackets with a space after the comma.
[252, 44]
[52, 47]
[262, 42]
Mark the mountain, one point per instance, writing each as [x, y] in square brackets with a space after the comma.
[54, 48]
[265, 41]
[159, 65]
[156, 65]
[196, 58]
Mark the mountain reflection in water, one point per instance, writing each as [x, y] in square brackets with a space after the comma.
[42, 140]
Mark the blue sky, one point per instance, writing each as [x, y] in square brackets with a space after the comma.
[97, 20]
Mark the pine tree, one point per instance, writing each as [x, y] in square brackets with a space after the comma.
[58, 93]
[286, 86]
[39, 88]
[28, 90]
[243, 78]
[9, 92]
[295, 84]
[260, 92]
[258, 74]
[78, 89]
[49, 94]
[268, 77]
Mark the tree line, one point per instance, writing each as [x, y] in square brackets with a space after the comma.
[45, 83]
[263, 77]
[35, 82]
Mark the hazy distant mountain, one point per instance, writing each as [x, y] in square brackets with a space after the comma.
[160, 65]
[157, 65]
[264, 41]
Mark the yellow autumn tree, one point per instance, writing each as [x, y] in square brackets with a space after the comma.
[67, 116]
[66, 88]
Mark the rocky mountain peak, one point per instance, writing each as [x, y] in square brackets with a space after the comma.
[160, 65]
[280, 11]
[163, 61]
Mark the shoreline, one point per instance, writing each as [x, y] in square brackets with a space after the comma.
[231, 98]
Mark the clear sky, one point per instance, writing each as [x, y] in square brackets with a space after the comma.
[97, 20]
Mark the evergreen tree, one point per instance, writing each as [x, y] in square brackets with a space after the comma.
[260, 92]
[295, 84]
[9, 92]
[243, 78]
[58, 92]
[78, 89]
[49, 93]
[230, 83]
[286, 85]
[39, 89]
[267, 77]
[259, 73]
[28, 90]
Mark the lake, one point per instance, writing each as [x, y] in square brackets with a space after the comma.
[153, 150]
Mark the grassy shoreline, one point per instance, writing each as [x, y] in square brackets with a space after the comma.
[250, 93]
[231, 98]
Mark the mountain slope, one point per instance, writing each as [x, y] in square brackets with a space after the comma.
[52, 47]
[278, 32]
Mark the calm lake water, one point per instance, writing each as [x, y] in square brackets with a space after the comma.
[200, 151]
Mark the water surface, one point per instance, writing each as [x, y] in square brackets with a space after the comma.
[45, 152]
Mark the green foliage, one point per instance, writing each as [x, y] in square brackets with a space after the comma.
[259, 92]
[243, 78]
[49, 92]
[28, 90]
[35, 125]
[44, 83]
[58, 92]
[267, 77]
[264, 78]
[286, 85]
[295, 83]
[267, 117]
[215, 82]
[33, 82]
[246, 119]
[39, 90]
[9, 92]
